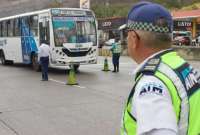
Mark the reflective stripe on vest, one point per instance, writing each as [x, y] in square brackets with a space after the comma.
[184, 113]
[167, 73]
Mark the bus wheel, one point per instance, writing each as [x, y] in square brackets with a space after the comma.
[2, 59]
[35, 64]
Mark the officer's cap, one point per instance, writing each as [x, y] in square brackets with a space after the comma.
[149, 16]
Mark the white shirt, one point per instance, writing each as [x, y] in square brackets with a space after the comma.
[153, 110]
[198, 39]
[44, 50]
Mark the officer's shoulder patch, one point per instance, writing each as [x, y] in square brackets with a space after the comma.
[151, 88]
[150, 66]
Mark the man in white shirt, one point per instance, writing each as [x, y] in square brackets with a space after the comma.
[198, 40]
[166, 93]
[43, 56]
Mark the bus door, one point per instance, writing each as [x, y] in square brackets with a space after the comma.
[44, 30]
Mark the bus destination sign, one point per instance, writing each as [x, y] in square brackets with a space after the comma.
[62, 12]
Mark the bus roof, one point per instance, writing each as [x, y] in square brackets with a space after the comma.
[38, 12]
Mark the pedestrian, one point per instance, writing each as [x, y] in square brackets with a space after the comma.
[198, 40]
[43, 56]
[116, 52]
[165, 98]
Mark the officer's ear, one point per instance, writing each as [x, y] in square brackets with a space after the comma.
[137, 41]
[134, 39]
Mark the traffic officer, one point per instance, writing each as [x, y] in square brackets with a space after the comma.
[43, 56]
[116, 52]
[165, 97]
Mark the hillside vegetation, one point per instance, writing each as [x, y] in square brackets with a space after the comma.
[116, 8]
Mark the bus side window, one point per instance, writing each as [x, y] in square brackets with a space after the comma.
[7, 26]
[17, 31]
[25, 26]
[34, 25]
[10, 28]
[0, 29]
[44, 32]
[4, 29]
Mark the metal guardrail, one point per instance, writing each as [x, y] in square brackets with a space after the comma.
[184, 46]
[188, 52]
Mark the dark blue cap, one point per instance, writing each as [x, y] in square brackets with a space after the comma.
[150, 17]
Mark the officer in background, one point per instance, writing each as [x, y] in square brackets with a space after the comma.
[165, 97]
[116, 52]
[43, 56]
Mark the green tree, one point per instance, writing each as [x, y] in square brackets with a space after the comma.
[118, 8]
[115, 10]
[55, 4]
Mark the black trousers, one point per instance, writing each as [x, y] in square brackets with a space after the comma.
[115, 60]
[44, 65]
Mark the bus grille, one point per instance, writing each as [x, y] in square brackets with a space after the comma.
[75, 54]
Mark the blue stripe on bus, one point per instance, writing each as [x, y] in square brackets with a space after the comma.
[28, 43]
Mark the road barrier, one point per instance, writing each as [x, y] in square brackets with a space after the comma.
[105, 52]
[188, 52]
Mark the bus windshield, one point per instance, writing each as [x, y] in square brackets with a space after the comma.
[74, 30]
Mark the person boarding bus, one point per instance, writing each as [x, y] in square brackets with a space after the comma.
[44, 55]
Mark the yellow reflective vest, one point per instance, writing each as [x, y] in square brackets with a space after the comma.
[183, 83]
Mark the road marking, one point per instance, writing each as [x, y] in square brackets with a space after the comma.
[57, 81]
[60, 82]
[82, 87]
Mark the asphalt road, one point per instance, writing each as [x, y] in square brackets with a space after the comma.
[29, 106]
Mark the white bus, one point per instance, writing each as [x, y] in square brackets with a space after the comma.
[71, 33]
